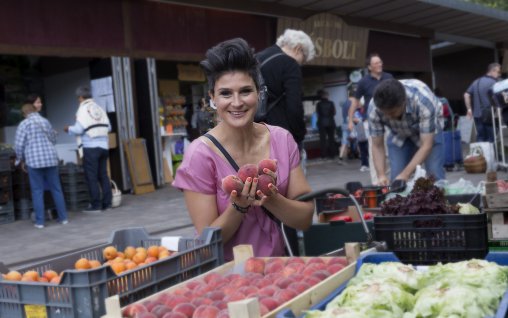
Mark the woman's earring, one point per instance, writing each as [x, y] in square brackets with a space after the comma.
[212, 104]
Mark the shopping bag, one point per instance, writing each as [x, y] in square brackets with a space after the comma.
[467, 129]
[487, 149]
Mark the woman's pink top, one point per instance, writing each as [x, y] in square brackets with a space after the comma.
[202, 171]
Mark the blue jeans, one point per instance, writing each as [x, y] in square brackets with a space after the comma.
[364, 152]
[38, 177]
[484, 132]
[95, 162]
[401, 156]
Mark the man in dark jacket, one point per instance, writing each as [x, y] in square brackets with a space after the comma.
[325, 110]
[282, 76]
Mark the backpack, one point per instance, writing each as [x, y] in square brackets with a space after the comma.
[263, 107]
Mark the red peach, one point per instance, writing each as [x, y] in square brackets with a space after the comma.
[175, 300]
[186, 309]
[253, 276]
[268, 290]
[297, 277]
[134, 309]
[180, 291]
[263, 310]
[260, 283]
[215, 295]
[285, 295]
[211, 276]
[224, 313]
[321, 274]
[232, 277]
[234, 297]
[309, 270]
[247, 170]
[240, 282]
[311, 280]
[230, 183]
[221, 304]
[272, 277]
[264, 181]
[196, 302]
[254, 265]
[295, 260]
[160, 310]
[269, 302]
[274, 267]
[174, 315]
[338, 260]
[201, 290]
[299, 287]
[193, 284]
[315, 260]
[248, 290]
[270, 164]
[218, 282]
[205, 311]
[334, 268]
[283, 282]
[150, 305]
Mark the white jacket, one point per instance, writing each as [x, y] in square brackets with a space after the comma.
[93, 118]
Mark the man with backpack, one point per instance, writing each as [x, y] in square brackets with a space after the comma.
[283, 79]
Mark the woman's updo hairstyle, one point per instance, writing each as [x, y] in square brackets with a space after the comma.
[228, 56]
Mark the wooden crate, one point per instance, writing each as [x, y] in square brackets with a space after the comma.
[497, 200]
[249, 308]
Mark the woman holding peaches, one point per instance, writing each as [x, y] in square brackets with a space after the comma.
[233, 78]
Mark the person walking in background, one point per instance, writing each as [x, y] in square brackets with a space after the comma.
[91, 128]
[478, 107]
[245, 216]
[361, 139]
[283, 80]
[35, 149]
[325, 110]
[344, 144]
[411, 111]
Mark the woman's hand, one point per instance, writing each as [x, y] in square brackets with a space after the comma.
[248, 195]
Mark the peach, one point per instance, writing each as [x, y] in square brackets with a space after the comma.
[299, 287]
[13, 275]
[186, 309]
[247, 170]
[109, 253]
[268, 290]
[150, 305]
[276, 260]
[146, 315]
[196, 302]
[254, 265]
[174, 315]
[338, 260]
[274, 267]
[232, 277]
[49, 274]
[202, 289]
[295, 260]
[334, 268]
[311, 280]
[132, 310]
[211, 276]
[248, 290]
[224, 313]
[218, 282]
[263, 310]
[205, 311]
[193, 284]
[215, 295]
[240, 282]
[290, 270]
[232, 182]
[284, 295]
[315, 260]
[175, 300]
[312, 268]
[264, 181]
[160, 310]
[221, 304]
[272, 277]
[269, 303]
[270, 164]
[234, 297]
[321, 274]
[260, 283]
[283, 282]
[253, 276]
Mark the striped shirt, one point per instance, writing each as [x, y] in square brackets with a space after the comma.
[423, 111]
[35, 142]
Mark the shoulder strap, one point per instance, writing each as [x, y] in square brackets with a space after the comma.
[223, 150]
[269, 59]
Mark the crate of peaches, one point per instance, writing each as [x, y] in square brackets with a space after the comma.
[248, 287]
[132, 265]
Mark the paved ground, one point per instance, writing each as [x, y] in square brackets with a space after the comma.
[160, 212]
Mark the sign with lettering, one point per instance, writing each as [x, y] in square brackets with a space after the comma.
[336, 43]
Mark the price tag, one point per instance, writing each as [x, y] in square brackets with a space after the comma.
[35, 311]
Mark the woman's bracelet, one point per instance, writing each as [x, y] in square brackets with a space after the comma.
[241, 209]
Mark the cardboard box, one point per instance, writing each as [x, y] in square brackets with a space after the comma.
[499, 223]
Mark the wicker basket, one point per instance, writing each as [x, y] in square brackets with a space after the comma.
[478, 165]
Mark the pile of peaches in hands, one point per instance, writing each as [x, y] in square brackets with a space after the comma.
[264, 171]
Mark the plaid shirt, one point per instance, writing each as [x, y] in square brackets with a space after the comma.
[423, 111]
[35, 142]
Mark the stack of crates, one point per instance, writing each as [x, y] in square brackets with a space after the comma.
[74, 187]
[7, 160]
[22, 194]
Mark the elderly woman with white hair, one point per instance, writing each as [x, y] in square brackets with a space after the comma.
[280, 67]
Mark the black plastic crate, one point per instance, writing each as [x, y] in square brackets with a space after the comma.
[474, 198]
[81, 293]
[429, 239]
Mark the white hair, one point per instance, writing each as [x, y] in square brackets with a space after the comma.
[292, 38]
